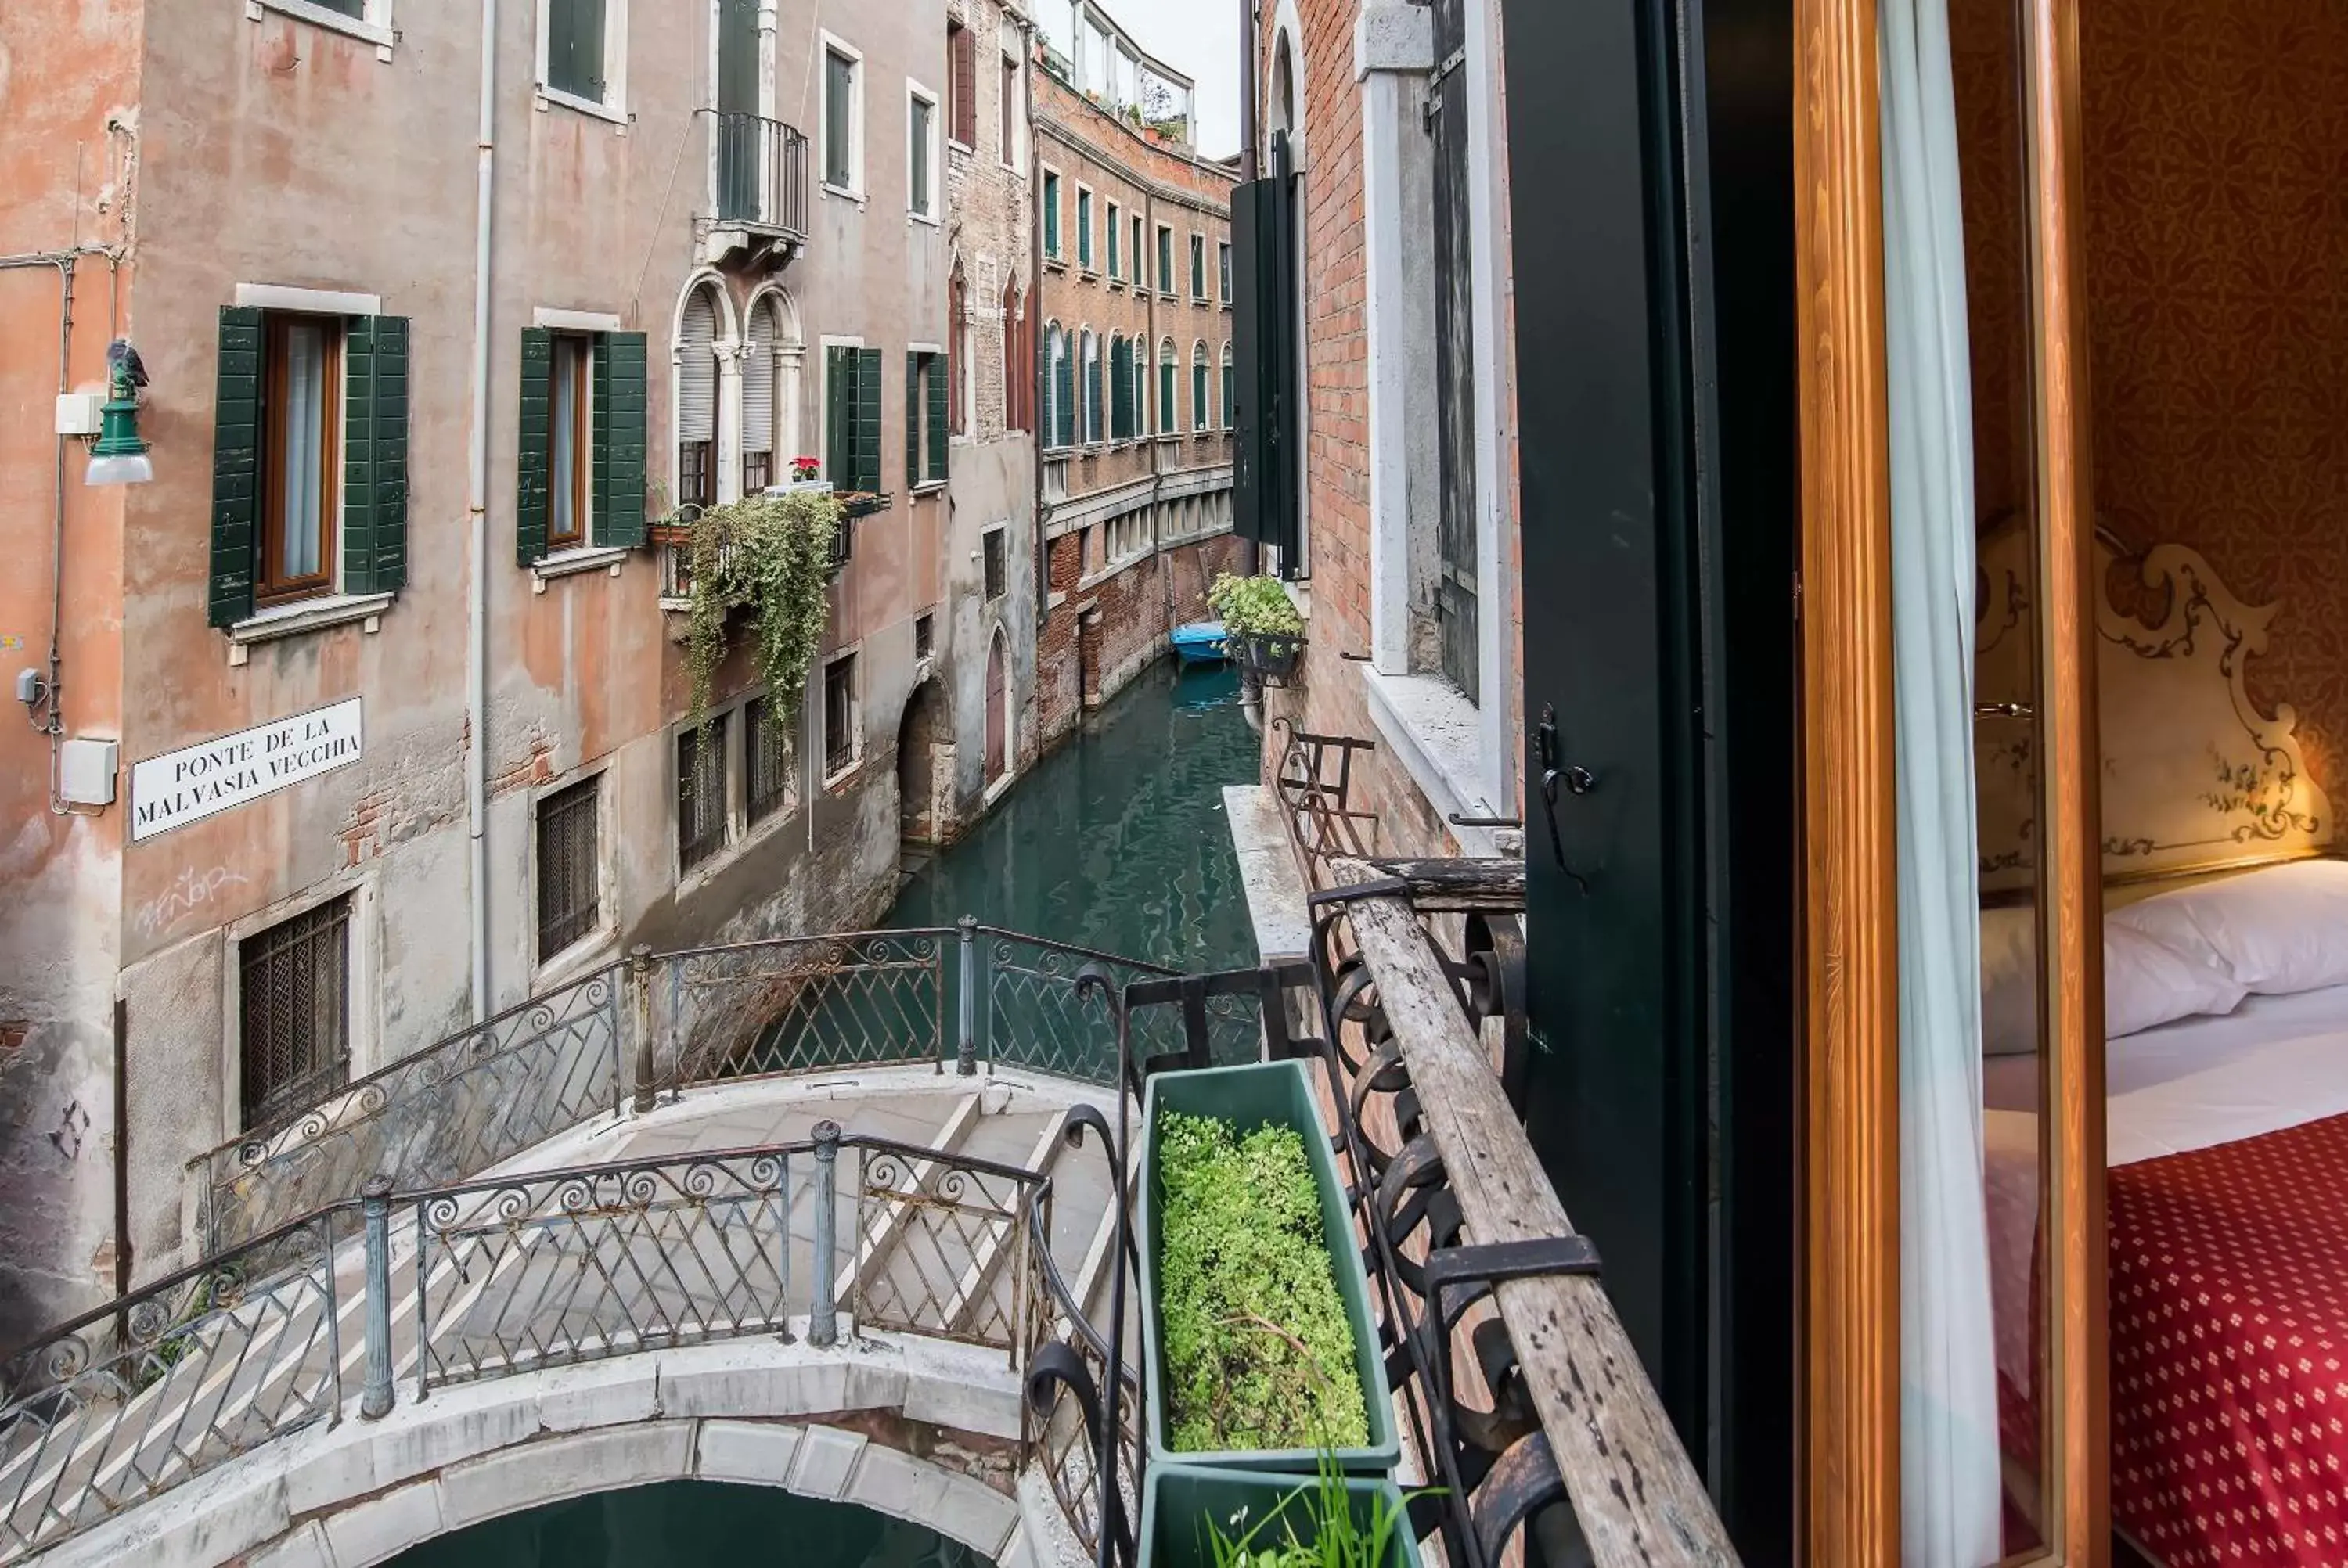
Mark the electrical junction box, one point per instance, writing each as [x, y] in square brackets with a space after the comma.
[80, 413]
[85, 772]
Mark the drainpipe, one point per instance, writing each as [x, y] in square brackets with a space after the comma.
[50, 720]
[477, 606]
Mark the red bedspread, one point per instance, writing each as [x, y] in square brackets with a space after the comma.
[2229, 1351]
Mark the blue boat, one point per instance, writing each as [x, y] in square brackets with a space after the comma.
[1200, 642]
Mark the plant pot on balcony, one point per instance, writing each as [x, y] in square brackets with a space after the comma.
[1270, 658]
[1248, 1099]
[1184, 1505]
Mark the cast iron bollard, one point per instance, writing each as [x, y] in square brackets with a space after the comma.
[966, 1053]
[374, 1206]
[640, 1008]
[823, 1318]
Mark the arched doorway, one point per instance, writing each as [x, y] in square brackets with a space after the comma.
[924, 765]
[998, 712]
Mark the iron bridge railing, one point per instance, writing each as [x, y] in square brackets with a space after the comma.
[966, 997]
[835, 1235]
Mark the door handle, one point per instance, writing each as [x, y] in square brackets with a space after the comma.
[1574, 779]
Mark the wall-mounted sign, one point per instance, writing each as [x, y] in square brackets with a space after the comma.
[194, 782]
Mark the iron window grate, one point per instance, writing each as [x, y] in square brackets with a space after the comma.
[840, 715]
[570, 887]
[700, 793]
[769, 744]
[294, 994]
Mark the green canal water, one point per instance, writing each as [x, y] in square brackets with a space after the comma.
[1116, 842]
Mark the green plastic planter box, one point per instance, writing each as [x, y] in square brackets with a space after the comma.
[1184, 1503]
[1250, 1097]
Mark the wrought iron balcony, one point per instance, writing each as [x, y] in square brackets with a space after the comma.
[759, 175]
[1528, 1413]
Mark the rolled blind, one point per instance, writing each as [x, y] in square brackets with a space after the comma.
[758, 384]
[697, 373]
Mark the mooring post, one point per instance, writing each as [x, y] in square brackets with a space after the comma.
[966, 1053]
[640, 1013]
[374, 1207]
[823, 1317]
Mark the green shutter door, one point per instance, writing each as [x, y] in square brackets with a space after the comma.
[940, 368]
[236, 465]
[840, 417]
[912, 420]
[868, 420]
[619, 517]
[375, 455]
[574, 47]
[1067, 377]
[533, 459]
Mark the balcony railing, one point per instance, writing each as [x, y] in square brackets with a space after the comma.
[761, 174]
[1529, 1412]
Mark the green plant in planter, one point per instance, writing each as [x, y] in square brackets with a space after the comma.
[1259, 1353]
[770, 555]
[1322, 1529]
[1254, 607]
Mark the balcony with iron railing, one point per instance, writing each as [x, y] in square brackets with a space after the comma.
[758, 188]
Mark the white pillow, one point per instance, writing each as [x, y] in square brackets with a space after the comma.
[2148, 982]
[2008, 977]
[2145, 983]
[2278, 930]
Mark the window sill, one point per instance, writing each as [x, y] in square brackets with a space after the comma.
[549, 97]
[927, 488]
[572, 562]
[1436, 732]
[383, 38]
[917, 216]
[833, 781]
[1054, 264]
[304, 616]
[845, 192]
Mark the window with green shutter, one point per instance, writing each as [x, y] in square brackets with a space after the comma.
[1051, 214]
[838, 120]
[914, 406]
[619, 440]
[1198, 386]
[1168, 415]
[1084, 228]
[375, 455]
[236, 465]
[853, 418]
[1165, 260]
[309, 459]
[574, 48]
[533, 457]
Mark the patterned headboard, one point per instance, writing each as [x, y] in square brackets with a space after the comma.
[2194, 776]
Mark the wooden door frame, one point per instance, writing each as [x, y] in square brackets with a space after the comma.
[1850, 1281]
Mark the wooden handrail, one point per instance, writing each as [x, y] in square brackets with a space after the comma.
[1637, 1496]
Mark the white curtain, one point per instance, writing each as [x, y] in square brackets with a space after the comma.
[1949, 1489]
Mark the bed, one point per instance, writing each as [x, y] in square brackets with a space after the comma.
[2227, 1125]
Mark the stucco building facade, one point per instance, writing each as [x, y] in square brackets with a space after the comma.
[367, 716]
[1134, 235]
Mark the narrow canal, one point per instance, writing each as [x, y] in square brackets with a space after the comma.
[1116, 842]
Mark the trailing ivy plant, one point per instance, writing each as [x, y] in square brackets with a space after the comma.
[770, 555]
[1254, 607]
[1259, 1351]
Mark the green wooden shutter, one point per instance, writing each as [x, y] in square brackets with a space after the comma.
[375, 453]
[941, 369]
[1066, 378]
[868, 420]
[535, 458]
[840, 417]
[912, 420]
[236, 465]
[619, 440]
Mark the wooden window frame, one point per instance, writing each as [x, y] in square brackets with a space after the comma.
[839, 760]
[853, 188]
[269, 585]
[582, 439]
[925, 155]
[1851, 1380]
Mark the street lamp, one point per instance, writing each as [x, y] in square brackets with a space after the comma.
[118, 457]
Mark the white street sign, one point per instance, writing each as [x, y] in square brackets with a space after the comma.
[194, 782]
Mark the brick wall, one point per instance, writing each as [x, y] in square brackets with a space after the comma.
[1110, 624]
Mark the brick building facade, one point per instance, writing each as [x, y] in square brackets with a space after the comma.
[1135, 357]
[1408, 547]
